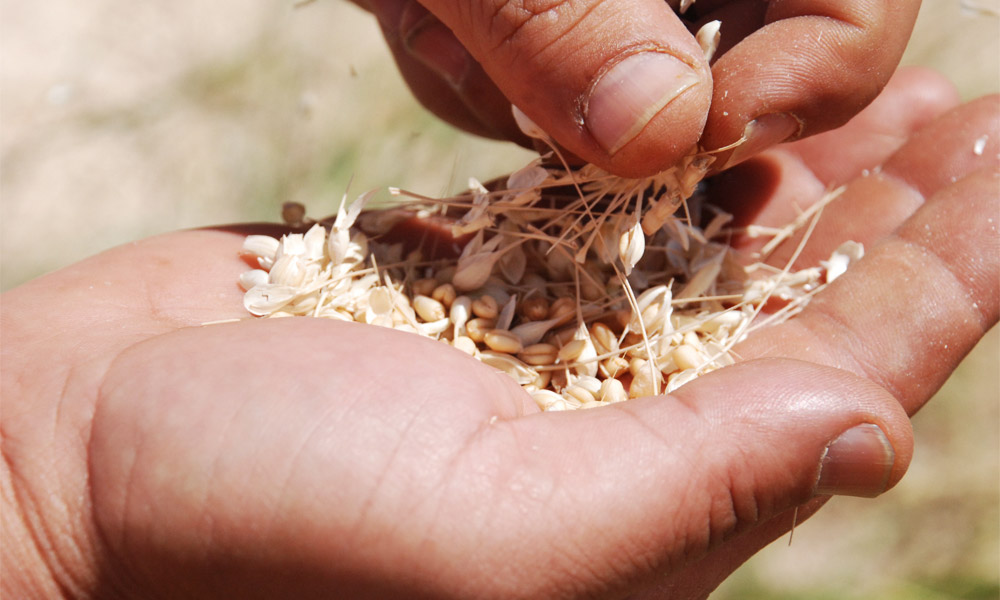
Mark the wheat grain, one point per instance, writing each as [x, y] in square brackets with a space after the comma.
[587, 289]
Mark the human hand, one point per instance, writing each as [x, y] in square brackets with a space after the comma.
[784, 70]
[146, 455]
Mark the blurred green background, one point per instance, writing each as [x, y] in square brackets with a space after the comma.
[120, 120]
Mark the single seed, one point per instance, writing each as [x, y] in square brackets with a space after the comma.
[380, 300]
[650, 314]
[263, 246]
[400, 299]
[579, 394]
[539, 354]
[473, 271]
[691, 339]
[434, 329]
[459, 312]
[636, 365]
[605, 340]
[486, 307]
[531, 332]
[500, 291]
[424, 287]
[543, 379]
[562, 336]
[686, 357]
[613, 366]
[591, 384]
[631, 246]
[559, 378]
[665, 362]
[519, 371]
[403, 308]
[586, 363]
[445, 294]
[429, 309]
[560, 265]
[306, 304]
[535, 309]
[646, 380]
[665, 347]
[569, 352]
[287, 270]
[632, 338]
[503, 341]
[249, 279]
[612, 390]
[477, 328]
[562, 309]
[727, 321]
[465, 344]
[506, 316]
[548, 400]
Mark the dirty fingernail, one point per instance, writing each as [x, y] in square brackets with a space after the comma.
[857, 463]
[432, 43]
[631, 93]
[762, 133]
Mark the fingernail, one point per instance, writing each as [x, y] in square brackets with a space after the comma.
[631, 93]
[432, 43]
[762, 133]
[858, 463]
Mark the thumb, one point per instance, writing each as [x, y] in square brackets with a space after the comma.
[677, 477]
[623, 85]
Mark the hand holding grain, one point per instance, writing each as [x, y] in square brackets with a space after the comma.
[148, 456]
[626, 86]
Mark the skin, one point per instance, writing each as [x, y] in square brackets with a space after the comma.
[818, 61]
[148, 456]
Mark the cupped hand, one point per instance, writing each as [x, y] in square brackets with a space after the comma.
[626, 86]
[149, 455]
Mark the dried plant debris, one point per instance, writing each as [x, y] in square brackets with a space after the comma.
[586, 288]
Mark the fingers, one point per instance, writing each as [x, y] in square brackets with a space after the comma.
[931, 160]
[873, 206]
[620, 84]
[912, 99]
[812, 66]
[442, 74]
[926, 292]
[773, 188]
[663, 481]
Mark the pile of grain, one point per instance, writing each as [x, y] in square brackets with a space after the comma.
[585, 288]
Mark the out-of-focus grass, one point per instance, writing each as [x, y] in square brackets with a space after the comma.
[212, 116]
[221, 112]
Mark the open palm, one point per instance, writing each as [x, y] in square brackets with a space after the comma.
[147, 455]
